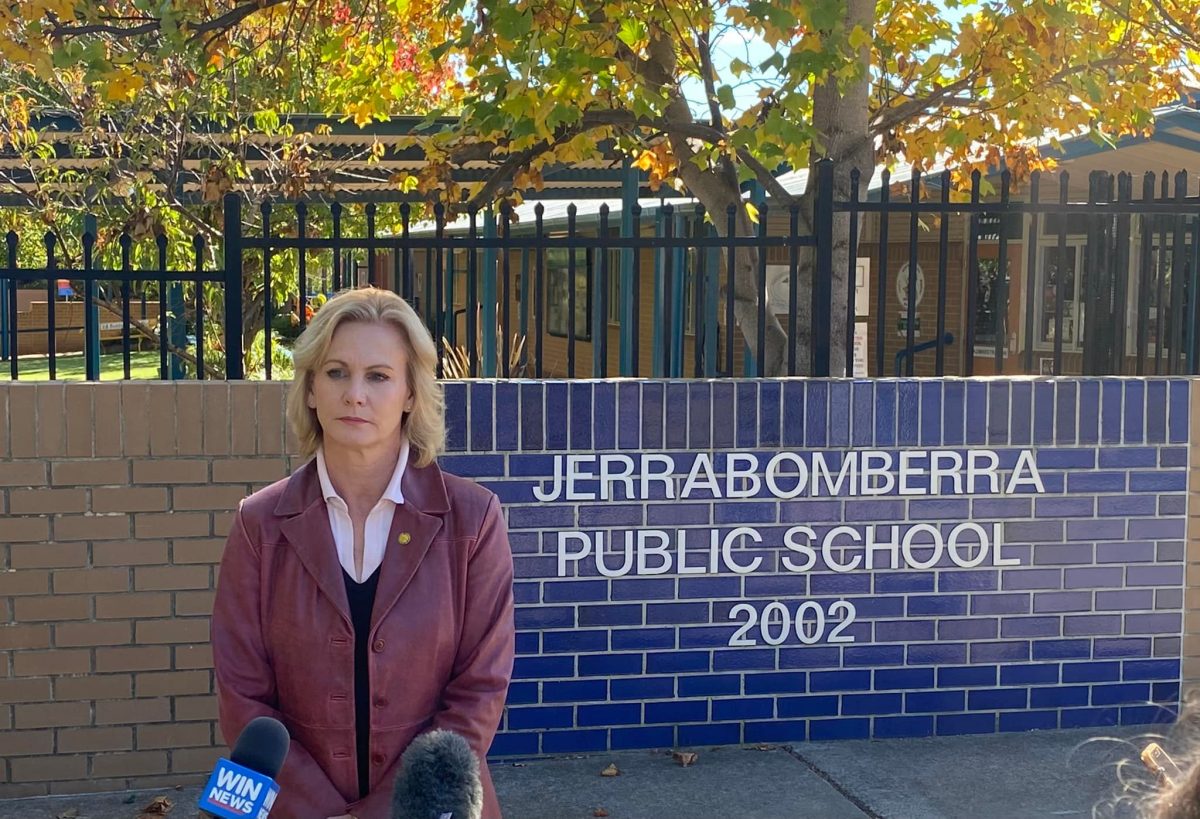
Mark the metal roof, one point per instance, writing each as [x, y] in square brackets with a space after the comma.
[341, 164]
[343, 170]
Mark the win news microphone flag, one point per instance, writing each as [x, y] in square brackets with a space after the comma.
[439, 779]
[244, 785]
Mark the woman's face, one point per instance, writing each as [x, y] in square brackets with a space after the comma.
[360, 392]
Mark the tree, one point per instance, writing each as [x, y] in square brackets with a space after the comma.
[851, 80]
[535, 82]
[147, 85]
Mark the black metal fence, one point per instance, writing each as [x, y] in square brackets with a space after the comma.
[433, 263]
[115, 287]
[1044, 284]
[1108, 282]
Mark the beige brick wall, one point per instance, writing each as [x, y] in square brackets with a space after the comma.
[115, 500]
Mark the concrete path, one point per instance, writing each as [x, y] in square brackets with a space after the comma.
[1010, 776]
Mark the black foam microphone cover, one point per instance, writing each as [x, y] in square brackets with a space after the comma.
[439, 779]
[262, 746]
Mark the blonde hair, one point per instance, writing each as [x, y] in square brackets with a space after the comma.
[425, 424]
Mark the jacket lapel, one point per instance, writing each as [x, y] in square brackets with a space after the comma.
[306, 527]
[415, 524]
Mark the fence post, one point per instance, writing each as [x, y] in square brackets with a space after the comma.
[822, 290]
[658, 332]
[751, 349]
[14, 342]
[178, 326]
[489, 300]
[91, 314]
[1193, 350]
[630, 186]
[3, 319]
[683, 271]
[233, 287]
[1086, 291]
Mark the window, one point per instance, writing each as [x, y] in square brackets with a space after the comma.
[614, 285]
[1069, 268]
[1162, 262]
[1161, 271]
[558, 294]
[986, 312]
[690, 277]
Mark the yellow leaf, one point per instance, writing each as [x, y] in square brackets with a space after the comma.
[43, 65]
[859, 38]
[752, 212]
[64, 10]
[362, 112]
[33, 10]
[123, 84]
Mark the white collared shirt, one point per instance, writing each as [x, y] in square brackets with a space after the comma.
[379, 521]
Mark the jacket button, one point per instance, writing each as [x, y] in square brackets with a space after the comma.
[377, 759]
[381, 702]
[378, 646]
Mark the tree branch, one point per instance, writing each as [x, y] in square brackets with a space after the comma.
[706, 69]
[765, 178]
[196, 29]
[1175, 27]
[891, 117]
[592, 119]
[502, 177]
[1169, 25]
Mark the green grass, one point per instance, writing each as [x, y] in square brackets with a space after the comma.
[71, 367]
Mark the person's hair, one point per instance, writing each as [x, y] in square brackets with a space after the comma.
[1141, 792]
[1181, 800]
[425, 425]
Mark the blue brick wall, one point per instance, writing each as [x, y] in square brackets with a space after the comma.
[1084, 631]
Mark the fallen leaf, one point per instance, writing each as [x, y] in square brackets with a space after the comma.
[159, 806]
[599, 812]
[684, 758]
[520, 765]
[69, 813]
[764, 747]
[611, 770]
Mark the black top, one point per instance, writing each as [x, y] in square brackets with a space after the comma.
[362, 598]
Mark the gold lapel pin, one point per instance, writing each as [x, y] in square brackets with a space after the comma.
[404, 538]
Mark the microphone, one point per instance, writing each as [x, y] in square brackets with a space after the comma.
[438, 779]
[244, 785]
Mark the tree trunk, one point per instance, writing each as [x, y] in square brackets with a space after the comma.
[717, 188]
[841, 116]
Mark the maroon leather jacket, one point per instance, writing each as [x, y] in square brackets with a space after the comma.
[442, 635]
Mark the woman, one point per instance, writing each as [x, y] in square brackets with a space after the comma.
[367, 598]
